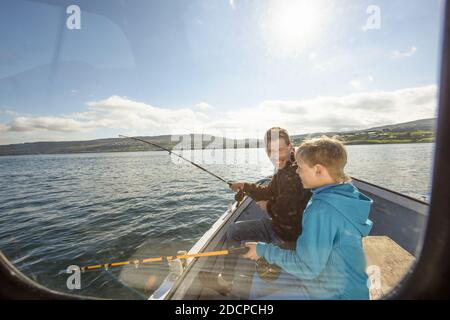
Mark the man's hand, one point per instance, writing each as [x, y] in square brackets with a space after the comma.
[237, 186]
[262, 204]
[251, 254]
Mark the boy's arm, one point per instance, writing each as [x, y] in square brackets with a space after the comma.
[313, 246]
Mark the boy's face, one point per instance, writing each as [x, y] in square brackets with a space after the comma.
[309, 175]
[279, 153]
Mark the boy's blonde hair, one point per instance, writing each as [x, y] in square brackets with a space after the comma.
[328, 152]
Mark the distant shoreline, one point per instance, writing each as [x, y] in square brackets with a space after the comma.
[353, 143]
[155, 150]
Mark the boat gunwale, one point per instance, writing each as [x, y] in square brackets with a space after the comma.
[392, 191]
[207, 242]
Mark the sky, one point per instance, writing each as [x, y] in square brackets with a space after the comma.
[225, 67]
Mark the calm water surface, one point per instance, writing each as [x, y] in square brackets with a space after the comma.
[83, 209]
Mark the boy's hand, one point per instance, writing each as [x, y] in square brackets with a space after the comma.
[237, 186]
[251, 254]
[262, 204]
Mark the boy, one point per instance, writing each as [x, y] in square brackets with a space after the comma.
[328, 260]
[284, 199]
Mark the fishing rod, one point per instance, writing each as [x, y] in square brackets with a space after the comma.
[137, 262]
[175, 154]
[266, 271]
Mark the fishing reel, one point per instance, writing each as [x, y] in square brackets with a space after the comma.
[239, 196]
[268, 272]
[271, 272]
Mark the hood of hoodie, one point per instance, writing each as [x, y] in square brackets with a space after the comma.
[350, 202]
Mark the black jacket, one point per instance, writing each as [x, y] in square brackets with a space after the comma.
[287, 200]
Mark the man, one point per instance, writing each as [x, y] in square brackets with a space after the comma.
[284, 199]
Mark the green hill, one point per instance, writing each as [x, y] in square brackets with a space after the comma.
[418, 131]
[127, 145]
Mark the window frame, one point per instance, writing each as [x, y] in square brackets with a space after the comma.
[425, 280]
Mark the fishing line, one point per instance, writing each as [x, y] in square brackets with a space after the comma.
[175, 154]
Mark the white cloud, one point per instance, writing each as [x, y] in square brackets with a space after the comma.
[23, 124]
[354, 111]
[114, 112]
[121, 112]
[356, 84]
[335, 113]
[9, 112]
[320, 67]
[401, 55]
[362, 83]
[203, 106]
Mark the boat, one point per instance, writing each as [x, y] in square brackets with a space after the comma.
[391, 247]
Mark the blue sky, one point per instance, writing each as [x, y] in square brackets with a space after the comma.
[223, 67]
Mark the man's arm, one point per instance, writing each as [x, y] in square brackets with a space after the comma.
[260, 192]
[313, 246]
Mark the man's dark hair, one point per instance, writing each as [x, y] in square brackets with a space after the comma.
[277, 133]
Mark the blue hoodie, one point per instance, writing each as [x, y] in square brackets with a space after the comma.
[329, 258]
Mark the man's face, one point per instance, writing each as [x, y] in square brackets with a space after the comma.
[306, 173]
[279, 153]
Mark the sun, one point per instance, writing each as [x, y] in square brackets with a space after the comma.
[291, 26]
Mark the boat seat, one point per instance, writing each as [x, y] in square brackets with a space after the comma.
[387, 263]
